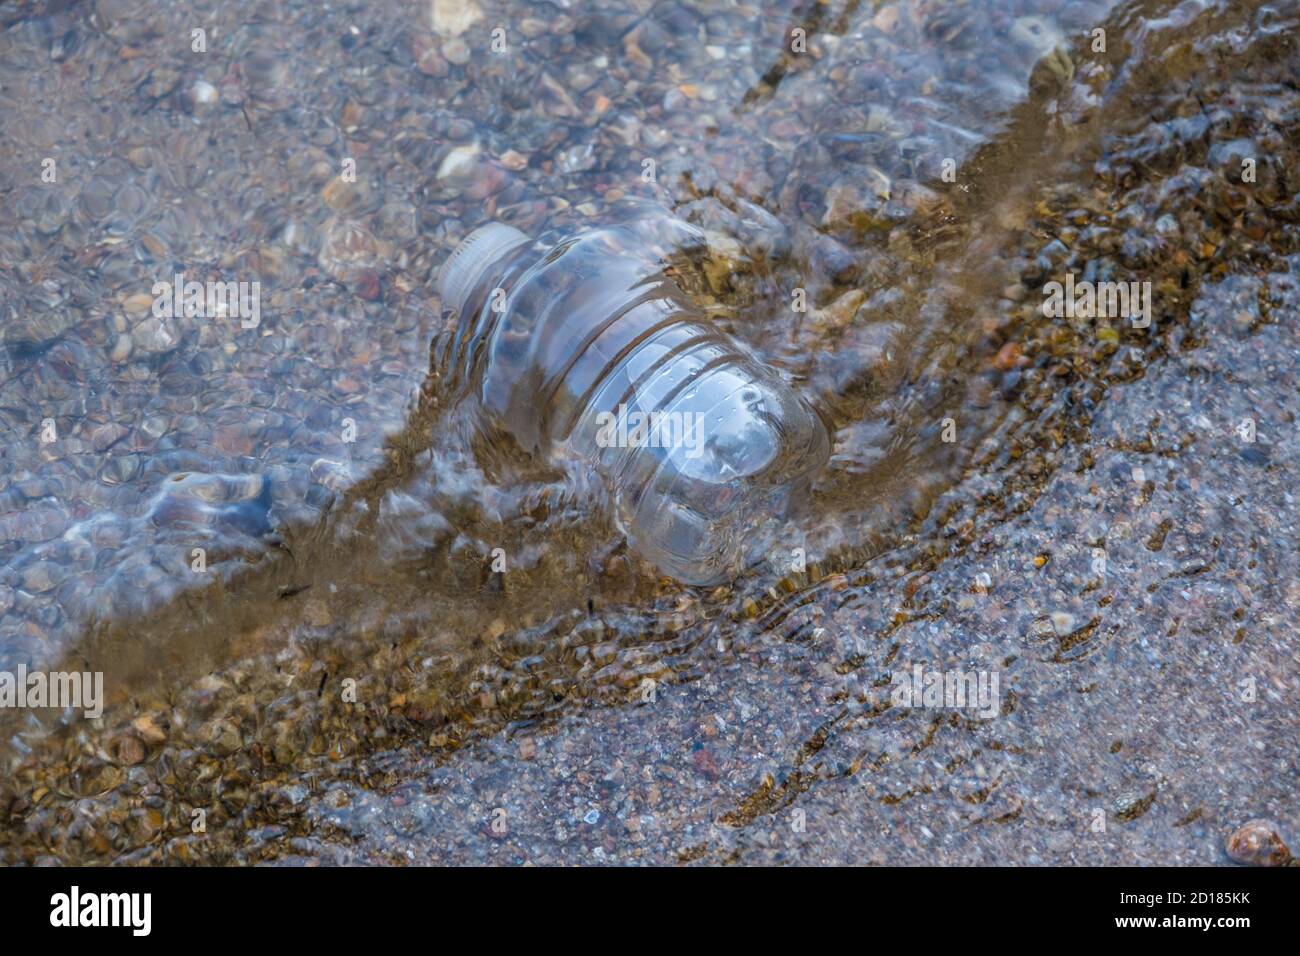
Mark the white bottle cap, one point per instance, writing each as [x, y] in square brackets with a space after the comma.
[463, 270]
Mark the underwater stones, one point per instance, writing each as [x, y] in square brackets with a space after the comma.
[428, 59]
[159, 83]
[1258, 843]
[107, 435]
[236, 505]
[41, 577]
[460, 164]
[857, 202]
[222, 734]
[150, 727]
[513, 160]
[751, 228]
[156, 336]
[832, 259]
[343, 196]
[411, 121]
[121, 349]
[451, 18]
[127, 750]
[202, 93]
[1036, 34]
[456, 51]
[137, 304]
[95, 201]
[837, 315]
[36, 331]
[269, 80]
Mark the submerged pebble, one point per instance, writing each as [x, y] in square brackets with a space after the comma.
[1258, 843]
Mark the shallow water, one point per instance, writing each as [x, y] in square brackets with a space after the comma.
[350, 521]
[154, 181]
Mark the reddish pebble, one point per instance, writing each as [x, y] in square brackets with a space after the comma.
[1257, 843]
[367, 285]
[705, 763]
[127, 750]
[1010, 356]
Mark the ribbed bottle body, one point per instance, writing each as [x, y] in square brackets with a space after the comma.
[589, 349]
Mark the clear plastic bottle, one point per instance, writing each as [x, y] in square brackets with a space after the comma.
[588, 349]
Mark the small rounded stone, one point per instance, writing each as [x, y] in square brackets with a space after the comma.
[1258, 843]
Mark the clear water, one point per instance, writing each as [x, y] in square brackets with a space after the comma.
[354, 514]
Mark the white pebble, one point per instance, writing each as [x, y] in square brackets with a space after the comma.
[203, 93]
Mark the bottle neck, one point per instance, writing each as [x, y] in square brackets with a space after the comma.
[473, 261]
[474, 318]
